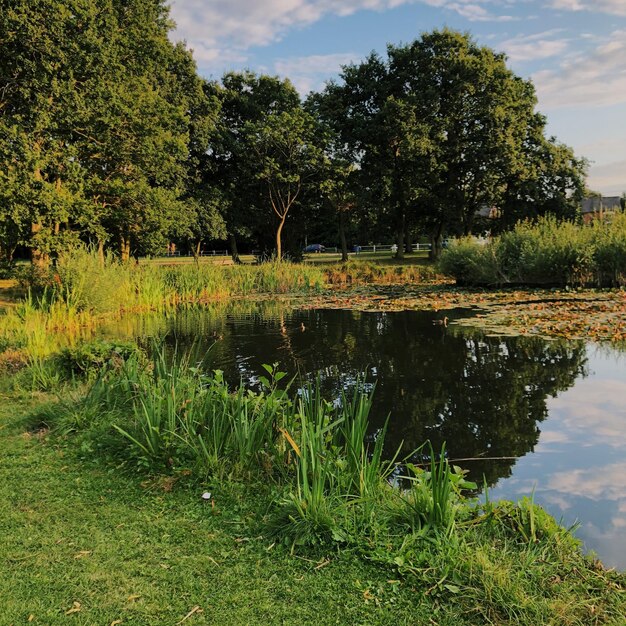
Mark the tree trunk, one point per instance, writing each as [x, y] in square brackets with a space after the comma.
[279, 246]
[39, 259]
[342, 235]
[408, 240]
[125, 249]
[234, 253]
[101, 252]
[436, 239]
[400, 237]
[196, 252]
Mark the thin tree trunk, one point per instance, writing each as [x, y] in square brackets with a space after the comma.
[342, 235]
[234, 252]
[39, 259]
[408, 240]
[196, 252]
[101, 252]
[400, 237]
[279, 246]
[125, 249]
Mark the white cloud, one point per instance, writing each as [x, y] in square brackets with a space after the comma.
[592, 411]
[533, 47]
[615, 7]
[309, 73]
[587, 79]
[224, 29]
[476, 13]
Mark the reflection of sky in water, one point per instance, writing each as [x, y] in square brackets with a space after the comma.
[578, 468]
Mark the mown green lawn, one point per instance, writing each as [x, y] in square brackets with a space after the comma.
[85, 543]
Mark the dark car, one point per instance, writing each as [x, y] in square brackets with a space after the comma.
[314, 247]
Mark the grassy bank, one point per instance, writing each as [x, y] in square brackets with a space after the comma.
[544, 253]
[106, 521]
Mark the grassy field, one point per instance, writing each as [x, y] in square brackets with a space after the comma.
[84, 543]
[325, 258]
[93, 537]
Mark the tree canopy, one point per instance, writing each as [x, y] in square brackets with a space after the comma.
[108, 135]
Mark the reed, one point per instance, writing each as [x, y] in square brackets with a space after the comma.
[546, 252]
[332, 477]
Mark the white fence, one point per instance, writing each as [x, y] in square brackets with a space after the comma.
[393, 248]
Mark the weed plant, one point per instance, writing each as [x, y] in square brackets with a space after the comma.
[332, 477]
[545, 252]
[366, 272]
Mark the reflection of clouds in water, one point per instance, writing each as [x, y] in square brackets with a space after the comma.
[607, 542]
[557, 500]
[594, 409]
[597, 483]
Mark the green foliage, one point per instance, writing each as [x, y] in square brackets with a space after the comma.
[545, 252]
[333, 476]
[88, 359]
[99, 121]
[286, 147]
[441, 128]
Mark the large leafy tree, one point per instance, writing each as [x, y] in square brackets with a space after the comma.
[40, 71]
[440, 129]
[383, 133]
[245, 99]
[287, 156]
[96, 128]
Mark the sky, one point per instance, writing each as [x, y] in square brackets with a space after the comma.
[573, 50]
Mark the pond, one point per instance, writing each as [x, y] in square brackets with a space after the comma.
[524, 415]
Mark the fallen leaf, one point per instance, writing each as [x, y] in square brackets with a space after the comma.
[82, 553]
[75, 609]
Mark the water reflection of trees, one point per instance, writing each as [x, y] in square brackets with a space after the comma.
[484, 396]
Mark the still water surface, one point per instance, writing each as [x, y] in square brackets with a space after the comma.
[558, 408]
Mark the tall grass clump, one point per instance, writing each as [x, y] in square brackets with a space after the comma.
[544, 253]
[332, 474]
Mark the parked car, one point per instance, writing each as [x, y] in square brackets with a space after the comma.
[314, 247]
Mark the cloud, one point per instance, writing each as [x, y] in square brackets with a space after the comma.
[309, 73]
[225, 29]
[533, 47]
[477, 13]
[614, 7]
[586, 79]
[592, 411]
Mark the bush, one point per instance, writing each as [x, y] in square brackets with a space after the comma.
[544, 253]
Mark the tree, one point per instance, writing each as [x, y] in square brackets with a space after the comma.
[442, 128]
[383, 135]
[244, 98]
[96, 122]
[551, 180]
[287, 155]
[40, 72]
